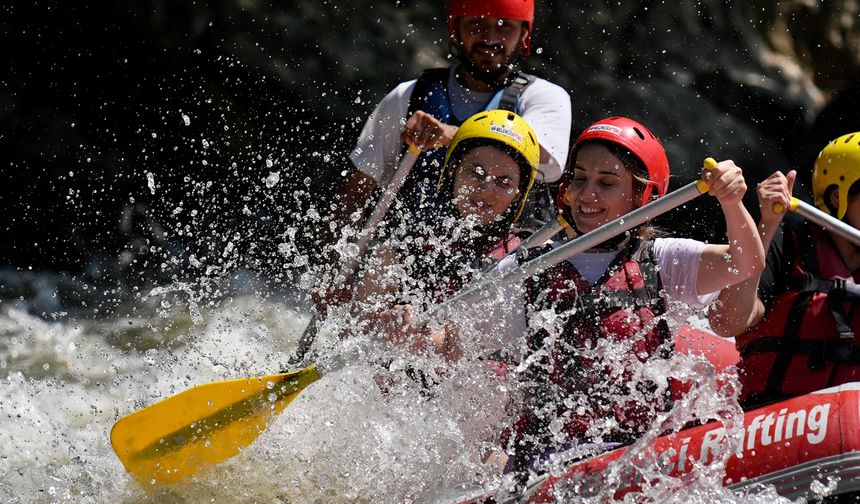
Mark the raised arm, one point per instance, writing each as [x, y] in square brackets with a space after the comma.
[743, 257]
[739, 306]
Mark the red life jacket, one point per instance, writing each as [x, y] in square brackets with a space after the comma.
[623, 306]
[806, 340]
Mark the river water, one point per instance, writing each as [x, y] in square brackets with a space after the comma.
[68, 371]
[65, 378]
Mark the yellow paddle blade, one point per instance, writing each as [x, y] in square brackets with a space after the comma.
[202, 426]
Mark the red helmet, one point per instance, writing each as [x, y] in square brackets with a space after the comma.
[635, 138]
[523, 10]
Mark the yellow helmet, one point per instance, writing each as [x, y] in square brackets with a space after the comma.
[838, 164]
[499, 127]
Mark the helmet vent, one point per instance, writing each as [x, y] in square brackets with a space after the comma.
[532, 137]
[480, 118]
[641, 136]
[511, 116]
[848, 138]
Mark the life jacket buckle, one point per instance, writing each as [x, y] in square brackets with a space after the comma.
[846, 335]
[838, 287]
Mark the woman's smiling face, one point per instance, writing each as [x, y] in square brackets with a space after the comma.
[486, 183]
[600, 189]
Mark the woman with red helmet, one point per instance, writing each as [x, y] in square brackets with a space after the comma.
[599, 331]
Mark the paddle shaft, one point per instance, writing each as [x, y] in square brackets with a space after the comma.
[367, 232]
[585, 242]
[391, 190]
[543, 234]
[824, 220]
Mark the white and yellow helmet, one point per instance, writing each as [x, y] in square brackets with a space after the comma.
[500, 127]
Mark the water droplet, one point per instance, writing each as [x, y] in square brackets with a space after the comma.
[150, 182]
[273, 179]
[186, 119]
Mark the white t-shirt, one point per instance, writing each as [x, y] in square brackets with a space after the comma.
[678, 259]
[544, 105]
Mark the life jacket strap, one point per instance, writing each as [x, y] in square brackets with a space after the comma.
[837, 291]
[511, 95]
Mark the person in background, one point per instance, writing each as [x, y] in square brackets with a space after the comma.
[488, 39]
[796, 323]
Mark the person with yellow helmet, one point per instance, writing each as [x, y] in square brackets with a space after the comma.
[490, 168]
[796, 326]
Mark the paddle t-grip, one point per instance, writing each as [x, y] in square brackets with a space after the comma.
[778, 208]
[701, 184]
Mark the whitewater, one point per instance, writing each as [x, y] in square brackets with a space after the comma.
[67, 374]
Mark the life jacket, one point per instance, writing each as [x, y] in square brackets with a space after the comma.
[623, 306]
[806, 340]
[431, 95]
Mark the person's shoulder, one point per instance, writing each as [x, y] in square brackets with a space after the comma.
[543, 86]
[396, 102]
[671, 241]
[542, 95]
[676, 246]
[403, 90]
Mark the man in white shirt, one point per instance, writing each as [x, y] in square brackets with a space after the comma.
[488, 38]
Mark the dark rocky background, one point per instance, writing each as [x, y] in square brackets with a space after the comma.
[103, 175]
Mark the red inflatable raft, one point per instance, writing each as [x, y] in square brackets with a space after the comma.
[789, 445]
